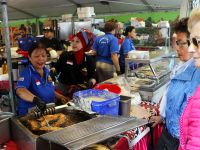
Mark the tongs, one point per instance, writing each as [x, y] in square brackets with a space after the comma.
[44, 118]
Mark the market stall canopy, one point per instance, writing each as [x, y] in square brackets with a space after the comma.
[28, 9]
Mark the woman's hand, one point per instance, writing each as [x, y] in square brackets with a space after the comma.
[53, 74]
[157, 120]
[40, 104]
[49, 49]
[65, 100]
[59, 52]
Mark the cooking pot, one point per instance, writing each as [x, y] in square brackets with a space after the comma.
[48, 65]
[21, 66]
[15, 71]
[124, 105]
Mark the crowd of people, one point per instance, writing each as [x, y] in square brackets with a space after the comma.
[179, 107]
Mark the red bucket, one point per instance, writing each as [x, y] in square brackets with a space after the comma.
[111, 88]
[25, 53]
[70, 38]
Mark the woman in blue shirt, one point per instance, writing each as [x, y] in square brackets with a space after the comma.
[184, 81]
[34, 86]
[106, 48]
[126, 47]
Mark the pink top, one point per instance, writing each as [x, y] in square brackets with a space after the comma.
[190, 123]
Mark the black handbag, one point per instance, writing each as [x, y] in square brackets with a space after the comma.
[166, 141]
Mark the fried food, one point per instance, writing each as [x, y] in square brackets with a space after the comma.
[60, 121]
[49, 118]
[33, 124]
[49, 128]
[56, 121]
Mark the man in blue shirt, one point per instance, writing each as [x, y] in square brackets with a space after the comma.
[106, 48]
[25, 41]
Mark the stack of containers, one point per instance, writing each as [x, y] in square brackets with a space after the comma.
[67, 17]
[85, 12]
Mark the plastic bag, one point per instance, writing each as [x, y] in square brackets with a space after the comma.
[53, 54]
[136, 98]
[122, 83]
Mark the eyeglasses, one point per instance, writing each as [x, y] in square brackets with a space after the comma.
[195, 41]
[181, 44]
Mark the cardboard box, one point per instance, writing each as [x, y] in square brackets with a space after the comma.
[140, 19]
[14, 30]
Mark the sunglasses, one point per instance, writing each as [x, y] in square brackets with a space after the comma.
[195, 41]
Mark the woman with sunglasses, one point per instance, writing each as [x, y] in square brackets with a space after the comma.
[184, 80]
[190, 118]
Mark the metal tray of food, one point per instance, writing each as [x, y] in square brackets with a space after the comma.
[145, 83]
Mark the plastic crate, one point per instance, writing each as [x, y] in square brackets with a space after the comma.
[108, 107]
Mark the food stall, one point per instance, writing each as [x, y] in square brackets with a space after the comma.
[26, 139]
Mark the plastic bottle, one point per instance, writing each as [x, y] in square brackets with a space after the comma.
[4, 68]
[174, 37]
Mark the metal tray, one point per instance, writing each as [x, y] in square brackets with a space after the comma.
[5, 133]
[93, 131]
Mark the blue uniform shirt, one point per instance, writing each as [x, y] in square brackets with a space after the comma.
[25, 44]
[105, 45]
[180, 89]
[126, 46]
[31, 80]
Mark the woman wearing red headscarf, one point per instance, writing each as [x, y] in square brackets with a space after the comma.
[77, 70]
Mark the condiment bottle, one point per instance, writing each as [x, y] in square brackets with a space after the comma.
[174, 38]
[4, 67]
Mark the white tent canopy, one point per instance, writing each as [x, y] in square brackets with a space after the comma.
[27, 9]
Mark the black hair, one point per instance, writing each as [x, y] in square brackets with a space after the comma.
[22, 27]
[37, 45]
[128, 29]
[110, 25]
[182, 26]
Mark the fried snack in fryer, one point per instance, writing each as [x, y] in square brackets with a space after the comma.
[60, 121]
[49, 118]
[33, 124]
[49, 128]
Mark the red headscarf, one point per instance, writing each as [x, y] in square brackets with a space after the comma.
[87, 40]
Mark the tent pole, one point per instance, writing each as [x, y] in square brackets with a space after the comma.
[8, 52]
[38, 26]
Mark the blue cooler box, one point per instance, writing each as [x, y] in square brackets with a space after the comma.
[108, 107]
[38, 37]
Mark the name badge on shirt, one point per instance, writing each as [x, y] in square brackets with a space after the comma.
[21, 79]
[70, 62]
[29, 40]
[20, 41]
[37, 82]
[50, 79]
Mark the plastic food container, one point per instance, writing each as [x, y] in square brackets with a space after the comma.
[108, 107]
[38, 37]
[5, 134]
[109, 87]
